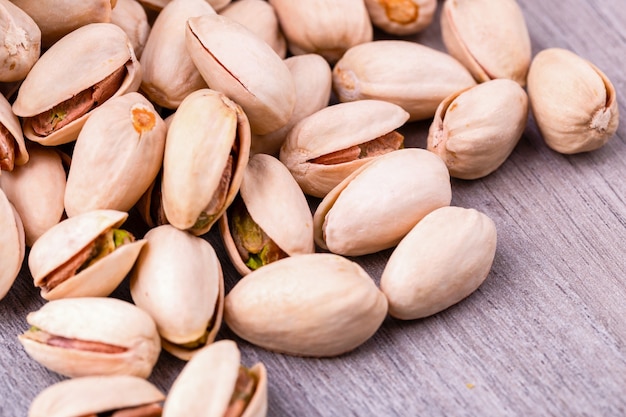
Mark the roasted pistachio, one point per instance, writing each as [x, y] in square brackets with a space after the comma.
[401, 17]
[20, 40]
[12, 247]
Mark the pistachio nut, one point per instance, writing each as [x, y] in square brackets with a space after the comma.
[215, 384]
[313, 80]
[327, 146]
[132, 18]
[380, 202]
[401, 17]
[306, 305]
[87, 255]
[36, 190]
[20, 38]
[244, 68]
[270, 220]
[442, 260]
[55, 100]
[419, 79]
[12, 146]
[475, 130]
[92, 336]
[123, 139]
[489, 37]
[178, 280]
[169, 74]
[12, 246]
[112, 395]
[206, 152]
[573, 102]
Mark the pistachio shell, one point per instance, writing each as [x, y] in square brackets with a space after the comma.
[20, 38]
[91, 395]
[102, 320]
[12, 125]
[401, 17]
[132, 18]
[12, 248]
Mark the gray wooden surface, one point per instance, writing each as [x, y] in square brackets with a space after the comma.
[544, 335]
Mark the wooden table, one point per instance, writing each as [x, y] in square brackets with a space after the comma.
[544, 335]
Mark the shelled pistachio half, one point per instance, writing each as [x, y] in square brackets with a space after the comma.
[12, 146]
[401, 17]
[12, 246]
[20, 38]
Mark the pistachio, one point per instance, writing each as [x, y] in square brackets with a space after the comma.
[401, 17]
[92, 336]
[132, 18]
[20, 38]
[12, 146]
[475, 130]
[573, 102]
[12, 247]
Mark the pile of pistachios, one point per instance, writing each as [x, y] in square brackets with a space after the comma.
[210, 113]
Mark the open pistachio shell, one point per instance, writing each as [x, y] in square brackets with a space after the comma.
[96, 53]
[92, 336]
[401, 17]
[206, 152]
[12, 247]
[132, 18]
[20, 38]
[12, 146]
[97, 395]
[60, 261]
[325, 147]
[206, 384]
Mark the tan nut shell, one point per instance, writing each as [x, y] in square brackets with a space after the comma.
[413, 76]
[95, 51]
[132, 18]
[444, 258]
[178, 280]
[117, 155]
[251, 74]
[331, 129]
[489, 37]
[12, 124]
[20, 38]
[475, 130]
[276, 203]
[379, 203]
[573, 102]
[61, 242]
[12, 247]
[205, 385]
[401, 17]
[91, 395]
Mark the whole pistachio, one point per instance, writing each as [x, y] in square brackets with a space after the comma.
[12, 246]
[12, 146]
[401, 17]
[20, 38]
[132, 18]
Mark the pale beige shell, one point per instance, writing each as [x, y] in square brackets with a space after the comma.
[413, 76]
[62, 241]
[276, 203]
[379, 203]
[475, 130]
[206, 383]
[95, 51]
[160, 4]
[96, 319]
[401, 17]
[178, 280]
[132, 18]
[306, 305]
[169, 74]
[91, 395]
[251, 74]
[12, 247]
[200, 138]
[20, 40]
[573, 102]
[489, 37]
[12, 124]
[324, 27]
[332, 129]
[117, 155]
[313, 80]
[442, 260]
[36, 190]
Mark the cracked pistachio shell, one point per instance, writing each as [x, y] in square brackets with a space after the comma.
[207, 382]
[246, 69]
[178, 280]
[418, 80]
[379, 203]
[489, 37]
[93, 395]
[117, 155]
[169, 74]
[205, 129]
[401, 17]
[36, 190]
[93, 52]
[20, 38]
[475, 130]
[10, 122]
[12, 246]
[100, 320]
[132, 18]
[307, 305]
[331, 129]
[276, 203]
[66, 239]
[573, 102]
[442, 260]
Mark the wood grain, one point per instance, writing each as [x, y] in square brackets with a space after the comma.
[544, 335]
